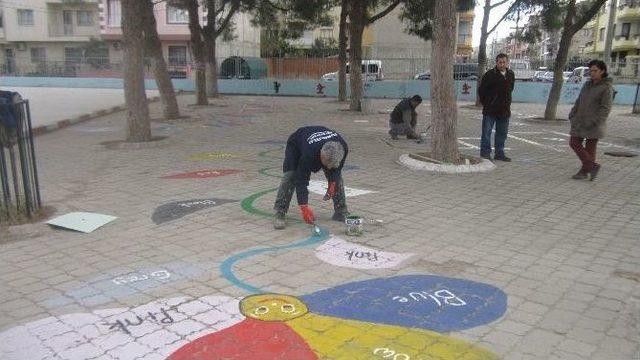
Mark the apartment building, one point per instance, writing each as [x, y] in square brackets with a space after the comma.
[40, 35]
[625, 48]
[173, 30]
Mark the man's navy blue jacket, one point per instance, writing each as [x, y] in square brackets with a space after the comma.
[303, 156]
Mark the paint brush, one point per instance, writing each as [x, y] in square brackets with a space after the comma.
[316, 230]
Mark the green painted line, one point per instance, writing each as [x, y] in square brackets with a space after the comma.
[264, 172]
[247, 203]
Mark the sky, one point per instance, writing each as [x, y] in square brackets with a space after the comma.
[496, 13]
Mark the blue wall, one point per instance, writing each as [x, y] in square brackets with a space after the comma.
[530, 92]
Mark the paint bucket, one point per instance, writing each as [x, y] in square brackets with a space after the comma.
[354, 225]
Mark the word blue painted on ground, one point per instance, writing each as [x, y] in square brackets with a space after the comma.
[422, 301]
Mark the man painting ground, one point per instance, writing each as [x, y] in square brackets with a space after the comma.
[308, 150]
[404, 118]
[495, 91]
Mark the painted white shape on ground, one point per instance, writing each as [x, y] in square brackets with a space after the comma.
[155, 329]
[339, 252]
[530, 142]
[320, 187]
[131, 278]
[82, 221]
[600, 143]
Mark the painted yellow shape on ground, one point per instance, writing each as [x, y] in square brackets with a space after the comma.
[211, 156]
[339, 339]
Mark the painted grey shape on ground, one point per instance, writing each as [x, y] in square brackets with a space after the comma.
[106, 288]
[178, 209]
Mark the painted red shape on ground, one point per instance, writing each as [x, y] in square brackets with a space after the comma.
[203, 174]
[250, 339]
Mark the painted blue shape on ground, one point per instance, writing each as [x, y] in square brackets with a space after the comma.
[226, 267]
[405, 301]
[102, 289]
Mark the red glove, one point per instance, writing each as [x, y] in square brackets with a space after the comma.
[331, 191]
[307, 214]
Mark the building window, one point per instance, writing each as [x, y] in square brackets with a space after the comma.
[601, 35]
[25, 17]
[326, 33]
[176, 15]
[177, 55]
[38, 55]
[85, 18]
[114, 13]
[1, 22]
[73, 54]
[626, 30]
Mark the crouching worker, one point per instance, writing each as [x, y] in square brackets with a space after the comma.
[404, 118]
[310, 149]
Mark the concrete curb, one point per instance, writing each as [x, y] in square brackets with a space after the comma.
[414, 164]
[44, 129]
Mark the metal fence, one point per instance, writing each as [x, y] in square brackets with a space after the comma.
[18, 171]
[309, 68]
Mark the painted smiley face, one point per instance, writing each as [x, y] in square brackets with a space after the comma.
[272, 307]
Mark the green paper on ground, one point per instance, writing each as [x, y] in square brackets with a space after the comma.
[81, 221]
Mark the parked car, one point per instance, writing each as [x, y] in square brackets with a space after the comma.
[371, 71]
[580, 75]
[462, 71]
[566, 75]
[522, 69]
[547, 76]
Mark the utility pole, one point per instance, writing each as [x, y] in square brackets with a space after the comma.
[515, 35]
[609, 38]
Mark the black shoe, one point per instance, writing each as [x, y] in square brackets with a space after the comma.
[580, 175]
[339, 216]
[393, 136]
[594, 172]
[504, 158]
[486, 156]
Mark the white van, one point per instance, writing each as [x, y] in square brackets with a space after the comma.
[371, 71]
[580, 75]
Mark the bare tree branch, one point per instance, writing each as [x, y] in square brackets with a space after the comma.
[509, 10]
[593, 10]
[498, 4]
[384, 12]
[223, 24]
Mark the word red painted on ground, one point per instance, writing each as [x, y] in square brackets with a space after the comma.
[203, 174]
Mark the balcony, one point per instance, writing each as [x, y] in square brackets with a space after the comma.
[629, 12]
[621, 43]
[464, 41]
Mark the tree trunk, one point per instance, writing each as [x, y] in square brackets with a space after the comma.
[211, 65]
[444, 140]
[482, 48]
[210, 36]
[138, 124]
[356, 28]
[154, 50]
[551, 110]
[342, 52]
[198, 53]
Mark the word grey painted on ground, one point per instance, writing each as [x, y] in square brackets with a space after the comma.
[118, 284]
[178, 209]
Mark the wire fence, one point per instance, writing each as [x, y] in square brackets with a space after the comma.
[318, 68]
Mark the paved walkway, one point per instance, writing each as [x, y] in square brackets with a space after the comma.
[50, 105]
[518, 263]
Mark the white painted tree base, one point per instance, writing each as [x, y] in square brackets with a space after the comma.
[414, 164]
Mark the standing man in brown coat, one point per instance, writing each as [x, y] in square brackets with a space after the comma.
[588, 117]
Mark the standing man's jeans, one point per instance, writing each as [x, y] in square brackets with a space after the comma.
[586, 153]
[502, 127]
[287, 187]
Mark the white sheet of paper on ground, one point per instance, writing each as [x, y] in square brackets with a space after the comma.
[320, 187]
[339, 252]
[82, 221]
[150, 331]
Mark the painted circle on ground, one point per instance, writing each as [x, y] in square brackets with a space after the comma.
[422, 301]
[272, 307]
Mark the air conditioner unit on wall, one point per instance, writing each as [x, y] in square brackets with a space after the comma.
[21, 46]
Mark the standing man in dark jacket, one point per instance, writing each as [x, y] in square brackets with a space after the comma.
[404, 118]
[495, 91]
[310, 149]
